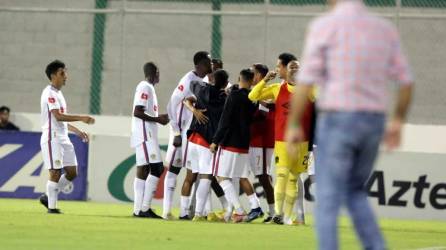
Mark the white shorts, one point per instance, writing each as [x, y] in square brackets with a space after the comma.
[58, 153]
[231, 164]
[174, 155]
[148, 152]
[199, 159]
[260, 160]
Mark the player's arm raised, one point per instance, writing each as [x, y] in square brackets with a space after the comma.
[141, 114]
[71, 118]
[262, 92]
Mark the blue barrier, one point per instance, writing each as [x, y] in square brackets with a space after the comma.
[22, 174]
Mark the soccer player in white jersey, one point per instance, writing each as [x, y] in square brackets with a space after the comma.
[180, 119]
[57, 149]
[145, 142]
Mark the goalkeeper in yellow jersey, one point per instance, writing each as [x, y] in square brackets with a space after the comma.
[288, 168]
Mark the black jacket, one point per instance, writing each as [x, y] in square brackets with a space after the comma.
[234, 125]
[212, 99]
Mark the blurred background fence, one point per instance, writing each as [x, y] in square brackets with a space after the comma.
[105, 43]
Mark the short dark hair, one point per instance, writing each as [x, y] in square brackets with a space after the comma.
[4, 108]
[261, 68]
[220, 78]
[200, 56]
[150, 69]
[217, 61]
[285, 58]
[52, 67]
[247, 75]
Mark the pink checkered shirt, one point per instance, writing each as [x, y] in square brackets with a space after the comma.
[352, 54]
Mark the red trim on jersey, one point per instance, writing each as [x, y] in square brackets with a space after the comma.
[144, 130]
[50, 150]
[144, 146]
[198, 139]
[173, 157]
[218, 162]
[146, 154]
[264, 160]
[236, 150]
[213, 163]
[185, 154]
[180, 116]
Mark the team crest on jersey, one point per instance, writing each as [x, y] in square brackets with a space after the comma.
[181, 87]
[153, 156]
[144, 96]
[51, 100]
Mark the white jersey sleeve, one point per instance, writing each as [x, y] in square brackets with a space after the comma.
[178, 114]
[52, 100]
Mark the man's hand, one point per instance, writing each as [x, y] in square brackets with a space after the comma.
[199, 115]
[87, 119]
[84, 136]
[293, 136]
[271, 75]
[177, 141]
[392, 136]
[213, 147]
[163, 119]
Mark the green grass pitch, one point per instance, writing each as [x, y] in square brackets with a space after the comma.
[24, 224]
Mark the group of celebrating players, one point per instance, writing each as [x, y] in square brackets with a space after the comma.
[219, 132]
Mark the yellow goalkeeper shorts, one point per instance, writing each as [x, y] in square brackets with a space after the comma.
[298, 163]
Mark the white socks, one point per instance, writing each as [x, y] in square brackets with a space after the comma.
[52, 191]
[202, 196]
[208, 205]
[149, 192]
[272, 212]
[224, 202]
[63, 182]
[231, 195]
[184, 206]
[138, 189]
[253, 201]
[170, 182]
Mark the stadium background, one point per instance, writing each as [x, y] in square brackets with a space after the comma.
[106, 42]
